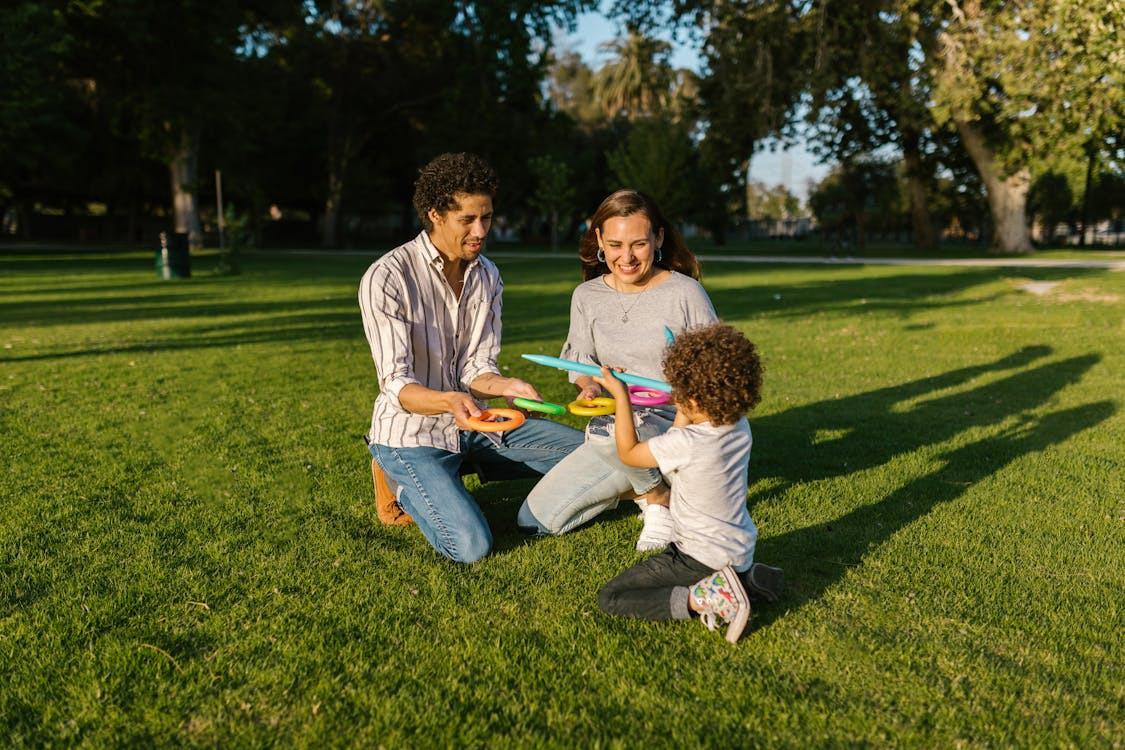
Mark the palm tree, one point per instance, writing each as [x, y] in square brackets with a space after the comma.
[638, 80]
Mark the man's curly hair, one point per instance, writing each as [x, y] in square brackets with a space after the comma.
[446, 175]
[716, 367]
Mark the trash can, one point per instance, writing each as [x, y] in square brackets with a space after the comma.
[173, 261]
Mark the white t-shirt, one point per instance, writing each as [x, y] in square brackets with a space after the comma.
[706, 467]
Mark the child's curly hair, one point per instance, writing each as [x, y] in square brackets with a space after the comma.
[446, 175]
[716, 367]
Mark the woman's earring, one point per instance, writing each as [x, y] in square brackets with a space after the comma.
[601, 255]
[659, 255]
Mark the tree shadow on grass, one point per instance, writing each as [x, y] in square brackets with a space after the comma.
[905, 293]
[817, 556]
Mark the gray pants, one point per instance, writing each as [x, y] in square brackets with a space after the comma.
[656, 588]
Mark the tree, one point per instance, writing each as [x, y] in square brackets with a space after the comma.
[1020, 79]
[1051, 201]
[168, 73]
[748, 90]
[657, 158]
[770, 203]
[637, 81]
[852, 193]
[866, 90]
[1015, 80]
[554, 191]
[570, 86]
[165, 73]
[39, 104]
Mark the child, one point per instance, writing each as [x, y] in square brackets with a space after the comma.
[716, 377]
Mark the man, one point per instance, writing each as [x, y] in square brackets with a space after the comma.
[431, 313]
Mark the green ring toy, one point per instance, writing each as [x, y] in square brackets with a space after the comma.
[541, 406]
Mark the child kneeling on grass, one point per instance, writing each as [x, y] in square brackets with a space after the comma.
[716, 377]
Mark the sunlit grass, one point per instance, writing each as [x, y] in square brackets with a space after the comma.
[189, 554]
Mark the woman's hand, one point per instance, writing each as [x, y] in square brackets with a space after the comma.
[611, 383]
[591, 391]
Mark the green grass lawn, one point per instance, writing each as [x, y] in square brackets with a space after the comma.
[189, 553]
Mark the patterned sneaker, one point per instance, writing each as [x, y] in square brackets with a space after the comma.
[386, 499]
[721, 598]
[764, 582]
[658, 530]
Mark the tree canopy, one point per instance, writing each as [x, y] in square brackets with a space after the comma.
[319, 112]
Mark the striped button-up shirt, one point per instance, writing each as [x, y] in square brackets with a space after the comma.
[421, 332]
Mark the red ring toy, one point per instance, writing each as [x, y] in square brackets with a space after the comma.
[489, 421]
[642, 396]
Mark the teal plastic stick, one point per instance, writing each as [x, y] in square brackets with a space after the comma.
[625, 377]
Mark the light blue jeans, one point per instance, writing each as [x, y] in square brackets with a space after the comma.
[589, 480]
[431, 490]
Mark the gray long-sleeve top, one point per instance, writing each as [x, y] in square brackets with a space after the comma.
[626, 331]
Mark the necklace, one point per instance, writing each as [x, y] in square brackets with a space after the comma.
[625, 310]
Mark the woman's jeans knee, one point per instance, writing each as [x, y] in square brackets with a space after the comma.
[587, 483]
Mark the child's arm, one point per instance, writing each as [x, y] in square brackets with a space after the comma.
[631, 451]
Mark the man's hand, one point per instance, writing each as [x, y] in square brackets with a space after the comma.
[611, 383]
[517, 388]
[462, 406]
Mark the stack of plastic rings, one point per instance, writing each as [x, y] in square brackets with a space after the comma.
[642, 396]
[490, 420]
[592, 407]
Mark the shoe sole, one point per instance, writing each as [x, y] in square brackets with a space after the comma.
[767, 581]
[742, 616]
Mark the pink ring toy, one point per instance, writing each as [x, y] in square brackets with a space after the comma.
[642, 396]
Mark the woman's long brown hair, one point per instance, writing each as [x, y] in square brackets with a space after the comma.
[674, 254]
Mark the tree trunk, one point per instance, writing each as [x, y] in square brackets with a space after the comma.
[1007, 194]
[916, 179]
[554, 230]
[1091, 155]
[329, 236]
[337, 166]
[184, 169]
[27, 208]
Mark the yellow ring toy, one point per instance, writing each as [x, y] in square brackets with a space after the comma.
[489, 420]
[592, 407]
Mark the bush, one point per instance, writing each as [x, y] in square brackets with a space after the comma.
[236, 238]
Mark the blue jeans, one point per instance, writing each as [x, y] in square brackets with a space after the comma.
[431, 490]
[589, 480]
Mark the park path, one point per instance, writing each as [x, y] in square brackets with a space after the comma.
[1105, 263]
[1113, 265]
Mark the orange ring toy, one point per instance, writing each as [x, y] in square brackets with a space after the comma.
[488, 420]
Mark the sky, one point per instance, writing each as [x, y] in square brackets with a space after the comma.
[793, 168]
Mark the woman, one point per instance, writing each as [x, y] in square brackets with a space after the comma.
[640, 279]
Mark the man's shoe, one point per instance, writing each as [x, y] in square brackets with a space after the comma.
[764, 581]
[721, 598]
[386, 501]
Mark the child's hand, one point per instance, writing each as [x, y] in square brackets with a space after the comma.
[611, 383]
